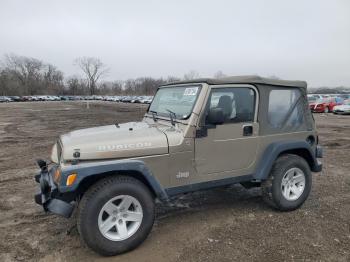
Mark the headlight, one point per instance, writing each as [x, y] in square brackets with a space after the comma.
[54, 155]
[57, 176]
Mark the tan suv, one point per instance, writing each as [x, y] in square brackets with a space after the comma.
[196, 135]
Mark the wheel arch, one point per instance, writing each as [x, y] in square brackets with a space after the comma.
[87, 182]
[302, 152]
[89, 175]
[276, 149]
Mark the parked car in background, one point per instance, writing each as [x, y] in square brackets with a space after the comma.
[318, 106]
[65, 98]
[113, 98]
[312, 98]
[133, 99]
[5, 99]
[324, 105]
[15, 98]
[343, 109]
[41, 98]
[316, 96]
[127, 99]
[27, 98]
[345, 96]
[146, 100]
[36, 98]
[116, 99]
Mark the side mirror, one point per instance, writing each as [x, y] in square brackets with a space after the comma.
[216, 116]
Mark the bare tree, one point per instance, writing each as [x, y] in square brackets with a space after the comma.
[219, 74]
[3, 82]
[53, 80]
[93, 69]
[171, 79]
[117, 87]
[26, 70]
[76, 85]
[191, 75]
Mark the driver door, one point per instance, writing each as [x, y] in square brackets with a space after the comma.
[231, 146]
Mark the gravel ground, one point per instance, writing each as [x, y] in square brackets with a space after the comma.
[228, 224]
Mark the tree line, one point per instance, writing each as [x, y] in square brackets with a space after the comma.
[21, 75]
[328, 90]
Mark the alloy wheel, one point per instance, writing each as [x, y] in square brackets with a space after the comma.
[293, 184]
[120, 218]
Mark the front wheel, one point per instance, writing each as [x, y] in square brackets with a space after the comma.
[289, 183]
[116, 215]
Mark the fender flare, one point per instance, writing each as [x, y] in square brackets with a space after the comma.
[275, 149]
[85, 170]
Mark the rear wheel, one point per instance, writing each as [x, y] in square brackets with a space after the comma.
[116, 215]
[289, 183]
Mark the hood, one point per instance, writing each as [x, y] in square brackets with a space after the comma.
[316, 103]
[133, 139]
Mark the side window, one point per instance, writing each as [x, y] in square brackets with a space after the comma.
[238, 104]
[284, 109]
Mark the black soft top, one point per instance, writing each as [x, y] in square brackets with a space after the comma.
[244, 80]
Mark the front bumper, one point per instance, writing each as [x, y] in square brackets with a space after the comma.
[317, 110]
[49, 196]
[341, 112]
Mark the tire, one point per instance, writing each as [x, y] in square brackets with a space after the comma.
[326, 110]
[92, 215]
[275, 190]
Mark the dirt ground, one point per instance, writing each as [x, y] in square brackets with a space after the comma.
[231, 224]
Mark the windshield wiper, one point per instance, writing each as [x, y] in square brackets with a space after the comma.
[154, 113]
[172, 116]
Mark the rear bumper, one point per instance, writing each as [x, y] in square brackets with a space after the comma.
[48, 196]
[317, 110]
[318, 164]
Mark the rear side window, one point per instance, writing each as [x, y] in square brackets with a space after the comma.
[284, 109]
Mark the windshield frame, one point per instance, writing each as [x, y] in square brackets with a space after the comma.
[166, 116]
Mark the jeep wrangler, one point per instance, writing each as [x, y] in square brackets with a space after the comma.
[195, 135]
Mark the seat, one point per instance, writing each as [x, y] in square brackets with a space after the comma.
[225, 103]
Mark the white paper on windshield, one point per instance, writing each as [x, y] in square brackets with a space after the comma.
[190, 91]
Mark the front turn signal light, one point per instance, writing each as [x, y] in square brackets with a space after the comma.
[71, 179]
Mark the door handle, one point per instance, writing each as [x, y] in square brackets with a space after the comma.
[247, 130]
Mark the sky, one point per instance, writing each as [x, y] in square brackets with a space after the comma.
[298, 40]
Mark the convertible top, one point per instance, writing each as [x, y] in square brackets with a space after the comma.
[253, 79]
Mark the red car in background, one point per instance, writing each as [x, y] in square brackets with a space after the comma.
[323, 105]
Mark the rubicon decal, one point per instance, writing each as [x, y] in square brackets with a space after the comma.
[124, 146]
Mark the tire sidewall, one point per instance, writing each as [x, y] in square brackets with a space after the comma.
[89, 224]
[277, 195]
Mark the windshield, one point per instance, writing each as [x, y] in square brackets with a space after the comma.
[180, 100]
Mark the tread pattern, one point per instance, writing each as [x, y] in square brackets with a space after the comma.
[92, 191]
[278, 169]
[90, 195]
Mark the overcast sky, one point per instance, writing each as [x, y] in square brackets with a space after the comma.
[306, 40]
